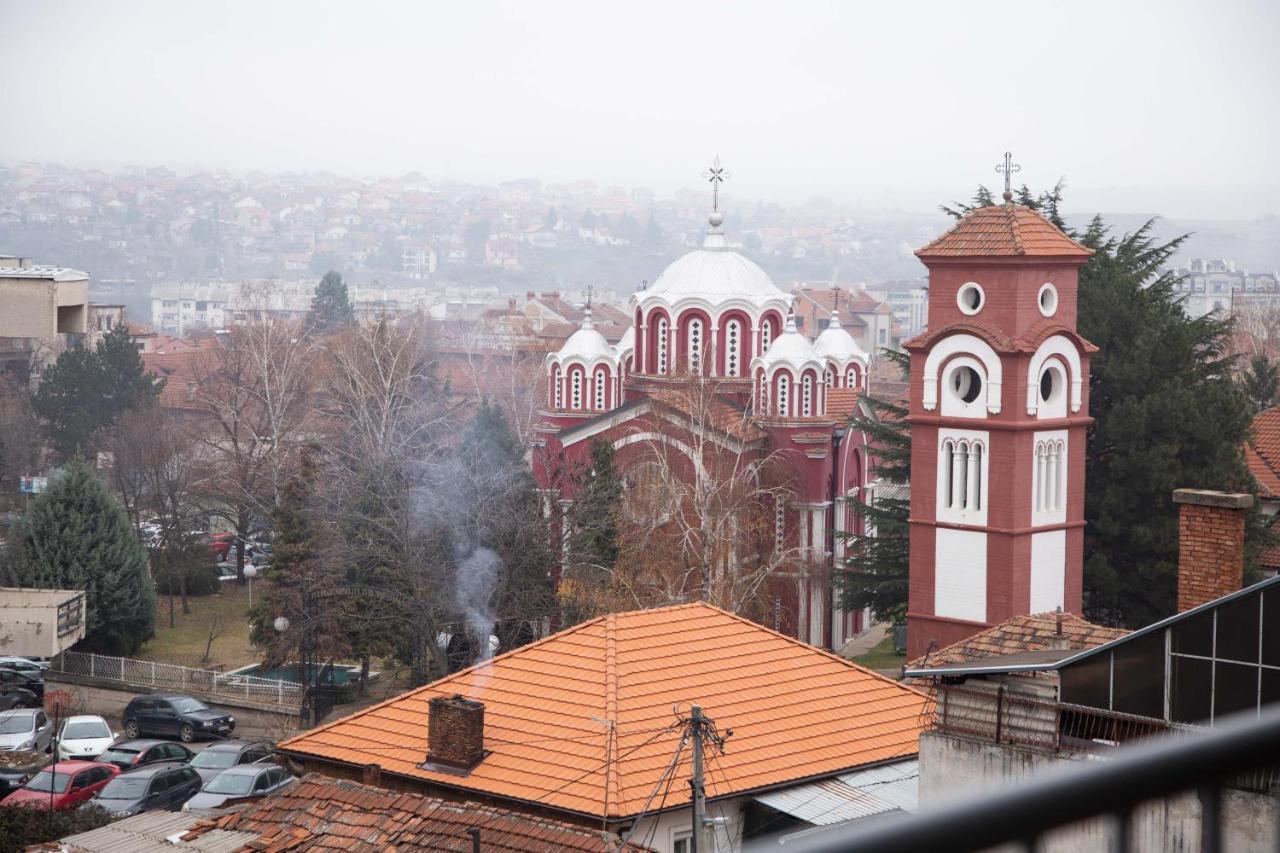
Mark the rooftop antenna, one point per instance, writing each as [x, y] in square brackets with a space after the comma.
[1007, 169]
[716, 175]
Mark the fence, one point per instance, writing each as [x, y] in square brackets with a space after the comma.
[168, 676]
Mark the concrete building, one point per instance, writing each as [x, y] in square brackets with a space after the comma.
[43, 309]
[40, 622]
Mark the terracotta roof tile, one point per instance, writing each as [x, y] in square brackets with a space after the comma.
[319, 813]
[1011, 230]
[1036, 632]
[842, 401]
[721, 414]
[1262, 453]
[796, 712]
[181, 371]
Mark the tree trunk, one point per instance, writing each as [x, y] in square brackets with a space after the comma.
[364, 674]
[182, 590]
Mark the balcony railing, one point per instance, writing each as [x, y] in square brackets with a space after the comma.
[1205, 761]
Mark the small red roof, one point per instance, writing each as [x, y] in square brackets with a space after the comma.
[1262, 453]
[1004, 230]
[1031, 633]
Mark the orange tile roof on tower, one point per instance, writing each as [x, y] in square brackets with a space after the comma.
[583, 721]
[1034, 633]
[319, 813]
[1003, 230]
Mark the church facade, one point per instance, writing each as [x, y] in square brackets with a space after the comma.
[714, 369]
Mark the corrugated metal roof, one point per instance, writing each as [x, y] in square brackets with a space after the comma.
[148, 833]
[850, 796]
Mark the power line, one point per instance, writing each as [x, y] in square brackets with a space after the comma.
[605, 765]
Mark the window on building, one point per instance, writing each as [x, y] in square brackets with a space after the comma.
[784, 394]
[830, 378]
[884, 336]
[1050, 475]
[662, 344]
[601, 382]
[806, 396]
[733, 348]
[575, 393]
[851, 378]
[766, 336]
[695, 345]
[557, 389]
[962, 475]
[779, 522]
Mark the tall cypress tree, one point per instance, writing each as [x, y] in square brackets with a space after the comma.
[876, 570]
[75, 535]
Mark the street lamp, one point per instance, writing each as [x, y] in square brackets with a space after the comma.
[251, 572]
[281, 624]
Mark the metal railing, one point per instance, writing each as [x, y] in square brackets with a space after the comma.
[168, 676]
[1205, 762]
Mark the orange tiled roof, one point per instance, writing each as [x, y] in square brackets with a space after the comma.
[1033, 633]
[181, 370]
[720, 414]
[842, 401]
[1003, 230]
[319, 813]
[796, 712]
[1262, 453]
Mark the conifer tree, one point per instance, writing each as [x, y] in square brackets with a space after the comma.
[75, 535]
[331, 307]
[875, 572]
[593, 522]
[1260, 382]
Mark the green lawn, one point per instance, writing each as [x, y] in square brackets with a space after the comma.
[882, 657]
[185, 642]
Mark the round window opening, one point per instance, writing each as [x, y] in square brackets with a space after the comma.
[970, 298]
[966, 383]
[1047, 382]
[1048, 300]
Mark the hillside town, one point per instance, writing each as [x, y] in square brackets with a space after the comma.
[385, 506]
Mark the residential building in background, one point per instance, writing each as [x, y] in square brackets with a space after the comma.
[1216, 284]
[46, 310]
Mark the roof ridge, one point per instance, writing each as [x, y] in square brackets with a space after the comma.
[613, 772]
[1015, 228]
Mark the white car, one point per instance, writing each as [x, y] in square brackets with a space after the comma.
[84, 738]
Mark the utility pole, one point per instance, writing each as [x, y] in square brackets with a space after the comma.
[699, 793]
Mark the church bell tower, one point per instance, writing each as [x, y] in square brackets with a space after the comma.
[998, 411]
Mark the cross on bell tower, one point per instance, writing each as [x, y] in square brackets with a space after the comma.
[1007, 169]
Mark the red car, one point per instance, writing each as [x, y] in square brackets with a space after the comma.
[221, 545]
[66, 785]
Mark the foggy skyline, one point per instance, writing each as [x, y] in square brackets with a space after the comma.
[1168, 109]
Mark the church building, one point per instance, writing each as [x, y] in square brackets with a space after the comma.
[713, 368]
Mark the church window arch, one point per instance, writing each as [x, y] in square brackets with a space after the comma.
[733, 347]
[662, 334]
[557, 388]
[1061, 351]
[784, 394]
[830, 377]
[693, 344]
[599, 386]
[779, 522]
[575, 389]
[806, 395]
[962, 476]
[950, 352]
[1049, 478]
[851, 377]
[766, 334]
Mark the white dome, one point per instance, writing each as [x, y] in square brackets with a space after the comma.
[716, 274]
[628, 342]
[790, 348]
[836, 343]
[586, 343]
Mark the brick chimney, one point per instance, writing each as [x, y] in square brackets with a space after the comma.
[455, 734]
[1210, 545]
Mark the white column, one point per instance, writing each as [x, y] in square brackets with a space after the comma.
[710, 356]
[957, 475]
[819, 527]
[1053, 478]
[1039, 481]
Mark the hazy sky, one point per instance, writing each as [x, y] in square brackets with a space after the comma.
[1165, 106]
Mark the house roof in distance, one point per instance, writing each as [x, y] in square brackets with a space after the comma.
[582, 721]
[1037, 632]
[319, 813]
[1004, 230]
[1262, 452]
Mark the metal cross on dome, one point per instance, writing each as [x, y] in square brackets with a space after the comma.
[716, 175]
[1007, 169]
[588, 292]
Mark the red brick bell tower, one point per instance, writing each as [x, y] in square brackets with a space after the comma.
[999, 408]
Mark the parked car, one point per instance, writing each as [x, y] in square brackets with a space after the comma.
[34, 667]
[64, 785]
[221, 543]
[212, 761]
[172, 714]
[17, 766]
[238, 784]
[159, 786]
[26, 728]
[33, 682]
[84, 737]
[137, 753]
[12, 696]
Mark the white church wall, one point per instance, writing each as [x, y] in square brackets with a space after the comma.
[960, 580]
[1048, 570]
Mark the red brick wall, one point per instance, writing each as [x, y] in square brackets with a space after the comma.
[1210, 545]
[455, 731]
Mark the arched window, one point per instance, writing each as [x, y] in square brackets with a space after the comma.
[1051, 481]
[557, 388]
[784, 394]
[575, 384]
[779, 522]
[662, 344]
[694, 344]
[602, 378]
[762, 404]
[962, 475]
[733, 348]
[851, 378]
[806, 396]
[766, 335]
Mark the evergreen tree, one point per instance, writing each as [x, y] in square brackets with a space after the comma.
[1260, 382]
[75, 535]
[586, 580]
[1166, 416]
[86, 390]
[875, 572]
[330, 308]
